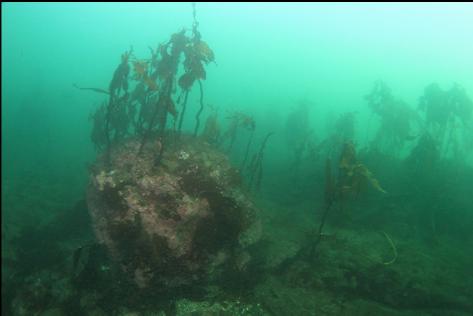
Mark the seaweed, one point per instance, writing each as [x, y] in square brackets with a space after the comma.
[448, 118]
[151, 101]
[237, 119]
[398, 120]
[255, 167]
[196, 53]
[141, 74]
[199, 112]
[352, 177]
[166, 71]
[98, 136]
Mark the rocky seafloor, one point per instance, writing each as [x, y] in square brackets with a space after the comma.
[185, 238]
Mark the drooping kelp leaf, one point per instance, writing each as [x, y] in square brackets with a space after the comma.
[120, 76]
[141, 73]
[362, 173]
[204, 52]
[348, 156]
[171, 108]
[140, 67]
[186, 80]
[150, 83]
[354, 174]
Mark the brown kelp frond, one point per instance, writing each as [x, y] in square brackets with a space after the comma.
[141, 74]
[204, 52]
[197, 53]
[352, 174]
[120, 76]
[177, 62]
[141, 68]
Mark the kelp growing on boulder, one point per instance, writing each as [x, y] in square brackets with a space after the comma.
[237, 120]
[196, 53]
[145, 110]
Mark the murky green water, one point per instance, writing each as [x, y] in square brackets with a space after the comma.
[226, 159]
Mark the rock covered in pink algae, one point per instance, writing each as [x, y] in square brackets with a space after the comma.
[175, 223]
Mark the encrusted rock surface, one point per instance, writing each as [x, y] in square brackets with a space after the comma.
[174, 223]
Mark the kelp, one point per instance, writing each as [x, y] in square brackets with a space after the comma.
[255, 167]
[398, 120]
[147, 107]
[352, 177]
[424, 157]
[166, 72]
[98, 90]
[114, 118]
[237, 119]
[120, 76]
[98, 136]
[199, 112]
[141, 74]
[342, 130]
[448, 118]
[197, 53]
[212, 131]
[116, 101]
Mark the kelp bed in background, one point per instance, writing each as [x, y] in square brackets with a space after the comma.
[195, 222]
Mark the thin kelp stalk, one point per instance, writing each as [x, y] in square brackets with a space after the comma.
[256, 165]
[98, 90]
[164, 105]
[248, 145]
[351, 174]
[107, 131]
[308, 250]
[119, 81]
[181, 117]
[197, 116]
[197, 54]
[329, 198]
[161, 106]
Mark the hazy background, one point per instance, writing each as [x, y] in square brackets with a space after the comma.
[268, 57]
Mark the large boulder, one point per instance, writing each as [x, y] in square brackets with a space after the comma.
[180, 221]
